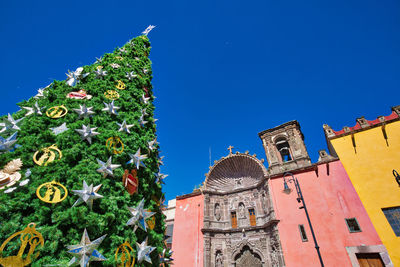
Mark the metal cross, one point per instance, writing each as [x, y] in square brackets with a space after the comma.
[230, 149]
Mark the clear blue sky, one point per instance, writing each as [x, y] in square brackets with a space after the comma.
[223, 70]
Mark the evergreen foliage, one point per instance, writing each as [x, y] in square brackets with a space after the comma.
[60, 223]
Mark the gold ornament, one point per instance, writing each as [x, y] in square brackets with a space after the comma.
[9, 175]
[120, 85]
[53, 192]
[99, 67]
[28, 236]
[151, 222]
[128, 255]
[115, 145]
[48, 155]
[111, 94]
[57, 112]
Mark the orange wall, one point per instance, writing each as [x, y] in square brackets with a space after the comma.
[329, 199]
[187, 239]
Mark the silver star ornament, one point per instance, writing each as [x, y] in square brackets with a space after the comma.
[142, 122]
[165, 257]
[124, 127]
[139, 216]
[10, 124]
[137, 159]
[41, 92]
[130, 75]
[87, 194]
[148, 29]
[107, 167]
[87, 133]
[73, 77]
[33, 110]
[145, 100]
[143, 251]
[9, 143]
[84, 111]
[122, 50]
[86, 251]
[60, 129]
[100, 73]
[152, 144]
[111, 108]
[160, 178]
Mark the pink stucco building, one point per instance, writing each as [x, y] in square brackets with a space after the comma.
[187, 239]
[242, 216]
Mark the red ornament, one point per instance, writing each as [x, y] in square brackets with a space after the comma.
[131, 182]
[81, 94]
[147, 91]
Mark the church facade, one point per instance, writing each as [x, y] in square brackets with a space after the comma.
[241, 216]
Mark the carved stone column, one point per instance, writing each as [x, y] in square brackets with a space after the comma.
[207, 250]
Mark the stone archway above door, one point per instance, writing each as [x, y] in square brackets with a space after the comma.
[247, 258]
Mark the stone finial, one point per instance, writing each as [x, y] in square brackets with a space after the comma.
[396, 109]
[246, 152]
[324, 156]
[328, 131]
[346, 129]
[363, 122]
[381, 118]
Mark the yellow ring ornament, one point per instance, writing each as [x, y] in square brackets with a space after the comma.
[120, 85]
[115, 145]
[111, 94]
[56, 112]
[48, 155]
[29, 236]
[53, 193]
[126, 258]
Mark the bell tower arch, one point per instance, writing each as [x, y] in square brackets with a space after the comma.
[284, 147]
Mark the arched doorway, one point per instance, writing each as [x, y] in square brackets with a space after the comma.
[247, 258]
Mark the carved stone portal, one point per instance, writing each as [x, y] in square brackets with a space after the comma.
[247, 258]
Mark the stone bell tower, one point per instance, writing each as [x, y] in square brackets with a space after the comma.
[284, 147]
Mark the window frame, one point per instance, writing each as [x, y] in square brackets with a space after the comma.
[396, 226]
[234, 219]
[301, 233]
[252, 217]
[358, 224]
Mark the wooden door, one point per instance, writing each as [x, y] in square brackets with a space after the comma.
[370, 260]
[234, 220]
[253, 221]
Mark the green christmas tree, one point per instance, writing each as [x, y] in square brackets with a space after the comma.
[97, 127]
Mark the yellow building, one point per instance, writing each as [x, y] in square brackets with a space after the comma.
[370, 151]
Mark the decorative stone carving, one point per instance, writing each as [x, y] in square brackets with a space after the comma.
[223, 243]
[219, 259]
[217, 212]
[274, 250]
[242, 210]
[246, 258]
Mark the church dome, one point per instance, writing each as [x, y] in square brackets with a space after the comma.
[235, 171]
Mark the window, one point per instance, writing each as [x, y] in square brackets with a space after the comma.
[283, 147]
[253, 221]
[353, 225]
[303, 234]
[233, 219]
[393, 217]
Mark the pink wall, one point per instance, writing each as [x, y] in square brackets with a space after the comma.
[329, 199]
[187, 239]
